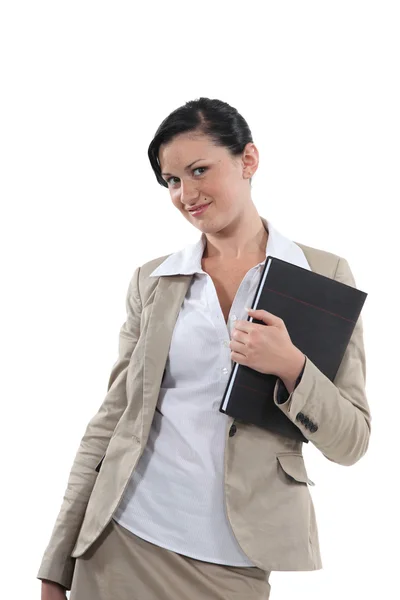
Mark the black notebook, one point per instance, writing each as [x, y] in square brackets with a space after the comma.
[320, 315]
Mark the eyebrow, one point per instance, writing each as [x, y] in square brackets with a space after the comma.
[188, 167]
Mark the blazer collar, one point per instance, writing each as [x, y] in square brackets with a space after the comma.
[188, 260]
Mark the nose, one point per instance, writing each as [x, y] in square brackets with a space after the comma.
[189, 191]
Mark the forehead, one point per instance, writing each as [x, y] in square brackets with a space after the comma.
[185, 148]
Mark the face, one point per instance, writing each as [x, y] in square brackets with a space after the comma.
[199, 172]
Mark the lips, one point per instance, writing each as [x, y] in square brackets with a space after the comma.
[198, 207]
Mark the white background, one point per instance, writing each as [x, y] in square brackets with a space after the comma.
[84, 86]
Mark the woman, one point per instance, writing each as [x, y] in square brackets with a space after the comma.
[168, 497]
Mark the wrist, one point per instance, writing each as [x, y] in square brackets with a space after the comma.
[293, 369]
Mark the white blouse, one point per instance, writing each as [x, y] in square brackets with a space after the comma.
[175, 496]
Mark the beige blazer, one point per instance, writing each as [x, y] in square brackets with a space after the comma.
[268, 502]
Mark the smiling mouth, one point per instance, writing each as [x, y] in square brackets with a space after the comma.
[198, 208]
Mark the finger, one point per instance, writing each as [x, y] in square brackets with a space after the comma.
[238, 357]
[237, 342]
[265, 316]
[244, 326]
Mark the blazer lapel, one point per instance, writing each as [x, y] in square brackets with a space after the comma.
[169, 296]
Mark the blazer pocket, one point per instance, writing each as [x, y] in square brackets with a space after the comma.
[99, 465]
[294, 467]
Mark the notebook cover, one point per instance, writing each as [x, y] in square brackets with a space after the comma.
[320, 315]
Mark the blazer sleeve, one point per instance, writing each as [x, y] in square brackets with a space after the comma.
[334, 416]
[57, 564]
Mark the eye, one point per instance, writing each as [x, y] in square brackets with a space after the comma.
[193, 170]
[197, 168]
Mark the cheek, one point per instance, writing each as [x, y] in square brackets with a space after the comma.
[175, 197]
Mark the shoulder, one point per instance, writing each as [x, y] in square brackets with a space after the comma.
[141, 284]
[148, 267]
[328, 263]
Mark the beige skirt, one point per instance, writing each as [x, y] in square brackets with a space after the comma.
[122, 566]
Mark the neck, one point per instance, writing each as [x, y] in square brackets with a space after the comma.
[240, 240]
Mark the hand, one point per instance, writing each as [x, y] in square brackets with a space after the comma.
[266, 348]
[53, 591]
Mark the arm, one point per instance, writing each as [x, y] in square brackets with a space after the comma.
[334, 416]
[57, 564]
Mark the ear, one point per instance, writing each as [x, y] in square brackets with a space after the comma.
[250, 159]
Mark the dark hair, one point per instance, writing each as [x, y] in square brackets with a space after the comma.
[207, 116]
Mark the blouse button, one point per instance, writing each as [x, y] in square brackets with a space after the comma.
[232, 430]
